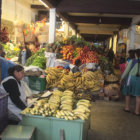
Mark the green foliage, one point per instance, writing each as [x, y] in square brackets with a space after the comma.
[38, 59]
[10, 52]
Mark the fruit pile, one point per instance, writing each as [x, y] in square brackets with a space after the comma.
[86, 56]
[73, 53]
[73, 81]
[67, 52]
[61, 105]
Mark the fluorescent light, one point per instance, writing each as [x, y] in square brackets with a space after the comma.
[44, 3]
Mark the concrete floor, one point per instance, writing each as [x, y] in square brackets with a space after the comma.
[110, 122]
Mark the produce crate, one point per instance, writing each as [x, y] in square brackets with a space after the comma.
[18, 132]
[3, 111]
[36, 83]
[49, 128]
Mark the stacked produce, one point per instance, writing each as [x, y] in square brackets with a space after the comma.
[89, 81]
[67, 52]
[45, 107]
[67, 100]
[38, 59]
[60, 105]
[73, 81]
[73, 53]
[86, 56]
[66, 106]
[82, 111]
[54, 75]
[68, 81]
[111, 78]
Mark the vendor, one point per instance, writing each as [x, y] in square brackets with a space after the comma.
[24, 54]
[17, 97]
[2, 53]
[76, 67]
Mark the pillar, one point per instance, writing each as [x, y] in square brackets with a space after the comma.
[115, 43]
[110, 43]
[73, 32]
[132, 36]
[52, 25]
[66, 29]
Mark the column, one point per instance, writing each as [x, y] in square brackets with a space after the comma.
[110, 43]
[132, 36]
[66, 29]
[73, 32]
[52, 25]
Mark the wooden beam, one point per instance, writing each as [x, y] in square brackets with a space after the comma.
[38, 7]
[97, 28]
[100, 20]
[96, 32]
[100, 6]
[100, 15]
[90, 37]
[98, 25]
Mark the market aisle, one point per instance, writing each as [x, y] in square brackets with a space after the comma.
[109, 122]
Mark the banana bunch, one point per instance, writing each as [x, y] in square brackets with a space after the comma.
[67, 115]
[26, 111]
[54, 101]
[53, 76]
[82, 111]
[67, 100]
[79, 82]
[92, 80]
[44, 110]
[67, 82]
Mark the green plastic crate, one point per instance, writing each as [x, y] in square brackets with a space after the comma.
[36, 83]
[49, 128]
[18, 132]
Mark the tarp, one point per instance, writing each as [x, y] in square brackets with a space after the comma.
[5, 65]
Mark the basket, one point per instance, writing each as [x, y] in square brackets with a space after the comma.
[36, 83]
[3, 111]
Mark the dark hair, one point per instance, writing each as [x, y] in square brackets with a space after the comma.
[122, 60]
[77, 62]
[131, 54]
[17, 68]
[137, 52]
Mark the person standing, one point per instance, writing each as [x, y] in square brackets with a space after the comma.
[133, 82]
[24, 54]
[111, 55]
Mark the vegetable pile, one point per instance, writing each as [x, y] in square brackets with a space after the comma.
[38, 59]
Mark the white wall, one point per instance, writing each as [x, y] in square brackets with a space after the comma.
[17, 10]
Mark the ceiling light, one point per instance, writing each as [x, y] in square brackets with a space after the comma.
[44, 3]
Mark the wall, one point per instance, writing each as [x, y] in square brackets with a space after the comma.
[17, 10]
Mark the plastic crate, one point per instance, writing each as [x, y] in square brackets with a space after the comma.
[50, 128]
[36, 83]
[3, 111]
